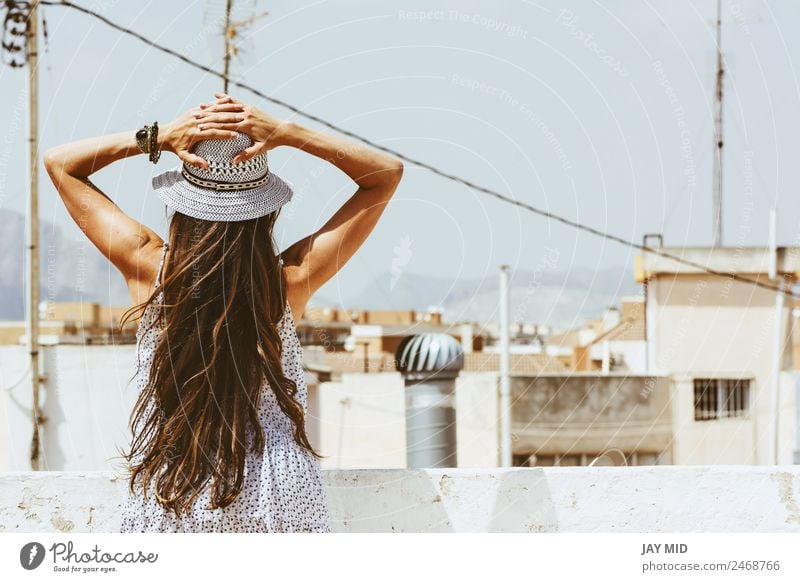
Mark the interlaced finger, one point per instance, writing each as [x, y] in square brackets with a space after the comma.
[218, 107]
[217, 134]
[220, 118]
[229, 125]
[225, 98]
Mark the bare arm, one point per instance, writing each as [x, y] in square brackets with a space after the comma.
[313, 260]
[123, 240]
[316, 258]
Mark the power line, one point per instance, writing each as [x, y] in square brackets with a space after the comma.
[418, 163]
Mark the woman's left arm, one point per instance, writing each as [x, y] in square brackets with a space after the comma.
[119, 237]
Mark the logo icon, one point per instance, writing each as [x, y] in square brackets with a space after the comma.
[31, 555]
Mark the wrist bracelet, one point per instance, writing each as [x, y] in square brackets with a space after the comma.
[142, 141]
[155, 152]
[147, 141]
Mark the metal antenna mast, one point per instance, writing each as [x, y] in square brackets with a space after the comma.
[718, 140]
[230, 34]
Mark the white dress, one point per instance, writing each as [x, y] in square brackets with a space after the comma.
[283, 489]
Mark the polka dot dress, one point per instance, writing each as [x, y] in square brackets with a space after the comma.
[283, 489]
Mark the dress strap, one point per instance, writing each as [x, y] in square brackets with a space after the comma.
[161, 264]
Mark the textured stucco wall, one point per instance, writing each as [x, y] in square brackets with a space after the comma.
[590, 413]
[608, 499]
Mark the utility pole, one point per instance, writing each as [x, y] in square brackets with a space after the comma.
[718, 139]
[505, 370]
[33, 227]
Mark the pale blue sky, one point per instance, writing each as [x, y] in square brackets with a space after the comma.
[563, 105]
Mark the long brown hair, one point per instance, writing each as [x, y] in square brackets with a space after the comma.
[224, 294]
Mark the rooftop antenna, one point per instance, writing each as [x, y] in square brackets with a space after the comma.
[718, 140]
[230, 34]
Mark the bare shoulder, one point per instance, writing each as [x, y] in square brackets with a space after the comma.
[297, 288]
[145, 264]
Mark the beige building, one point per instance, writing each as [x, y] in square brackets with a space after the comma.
[622, 347]
[612, 342]
[572, 419]
[729, 338]
[688, 374]
[633, 419]
[75, 322]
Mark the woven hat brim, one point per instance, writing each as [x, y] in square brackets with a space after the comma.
[221, 205]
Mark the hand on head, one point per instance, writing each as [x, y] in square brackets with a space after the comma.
[221, 119]
[265, 131]
[180, 135]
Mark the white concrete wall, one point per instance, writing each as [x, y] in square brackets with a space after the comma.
[85, 399]
[477, 419]
[15, 408]
[575, 499]
[362, 422]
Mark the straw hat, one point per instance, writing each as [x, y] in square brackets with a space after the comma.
[224, 191]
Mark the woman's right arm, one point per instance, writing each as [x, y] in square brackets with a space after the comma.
[313, 260]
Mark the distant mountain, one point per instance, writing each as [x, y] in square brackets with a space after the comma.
[76, 271]
[556, 298]
[69, 270]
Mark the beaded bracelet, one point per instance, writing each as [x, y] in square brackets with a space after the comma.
[147, 140]
[155, 152]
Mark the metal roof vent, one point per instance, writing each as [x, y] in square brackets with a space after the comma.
[429, 356]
